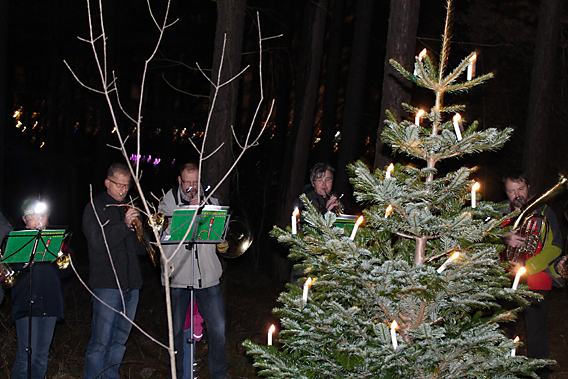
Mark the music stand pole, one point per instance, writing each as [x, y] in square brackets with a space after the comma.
[193, 247]
[31, 265]
[195, 258]
[191, 244]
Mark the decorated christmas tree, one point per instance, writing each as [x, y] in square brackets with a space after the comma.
[414, 291]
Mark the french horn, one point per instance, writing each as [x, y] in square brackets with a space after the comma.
[239, 239]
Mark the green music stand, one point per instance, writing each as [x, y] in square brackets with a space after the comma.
[44, 245]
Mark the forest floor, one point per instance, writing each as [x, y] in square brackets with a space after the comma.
[249, 298]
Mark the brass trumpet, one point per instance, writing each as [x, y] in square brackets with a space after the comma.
[339, 208]
[143, 240]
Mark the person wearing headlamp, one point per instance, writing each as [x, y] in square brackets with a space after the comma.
[47, 299]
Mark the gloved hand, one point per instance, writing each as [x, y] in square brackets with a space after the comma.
[223, 247]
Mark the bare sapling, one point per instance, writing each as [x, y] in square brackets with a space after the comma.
[109, 88]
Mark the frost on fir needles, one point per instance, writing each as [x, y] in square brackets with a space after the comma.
[447, 321]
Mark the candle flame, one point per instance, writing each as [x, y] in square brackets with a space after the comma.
[473, 58]
[422, 54]
[271, 329]
[394, 325]
[390, 168]
[420, 113]
[517, 339]
[457, 117]
[359, 220]
[296, 212]
[455, 256]
[521, 271]
[308, 282]
[475, 186]
[388, 211]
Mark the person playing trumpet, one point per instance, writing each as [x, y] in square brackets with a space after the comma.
[207, 271]
[116, 251]
[319, 190]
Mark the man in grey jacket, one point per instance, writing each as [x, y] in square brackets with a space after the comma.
[204, 278]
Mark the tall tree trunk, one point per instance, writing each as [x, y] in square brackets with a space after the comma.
[306, 92]
[230, 23]
[331, 94]
[535, 162]
[401, 45]
[350, 141]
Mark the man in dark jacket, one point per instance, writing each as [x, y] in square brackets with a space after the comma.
[114, 273]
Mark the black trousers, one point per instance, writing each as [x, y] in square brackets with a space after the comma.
[537, 334]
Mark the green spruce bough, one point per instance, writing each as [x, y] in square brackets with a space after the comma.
[448, 322]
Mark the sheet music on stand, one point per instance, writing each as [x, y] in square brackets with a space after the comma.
[346, 221]
[210, 226]
[21, 243]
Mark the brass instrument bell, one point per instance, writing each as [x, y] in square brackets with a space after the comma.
[239, 239]
[62, 261]
[8, 277]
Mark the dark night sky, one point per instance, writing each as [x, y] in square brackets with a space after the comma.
[76, 123]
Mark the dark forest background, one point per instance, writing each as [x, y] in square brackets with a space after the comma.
[326, 72]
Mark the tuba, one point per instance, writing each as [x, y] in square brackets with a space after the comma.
[531, 224]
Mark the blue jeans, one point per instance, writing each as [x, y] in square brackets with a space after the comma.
[110, 332]
[42, 334]
[210, 304]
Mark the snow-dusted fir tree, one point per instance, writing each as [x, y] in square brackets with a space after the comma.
[399, 266]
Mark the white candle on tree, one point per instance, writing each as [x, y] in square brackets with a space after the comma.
[418, 116]
[520, 272]
[514, 350]
[294, 220]
[420, 56]
[307, 285]
[390, 169]
[394, 327]
[388, 211]
[457, 119]
[270, 332]
[357, 223]
[448, 261]
[471, 67]
[474, 190]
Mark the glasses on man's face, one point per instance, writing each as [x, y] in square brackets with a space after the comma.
[120, 185]
[190, 183]
[324, 180]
